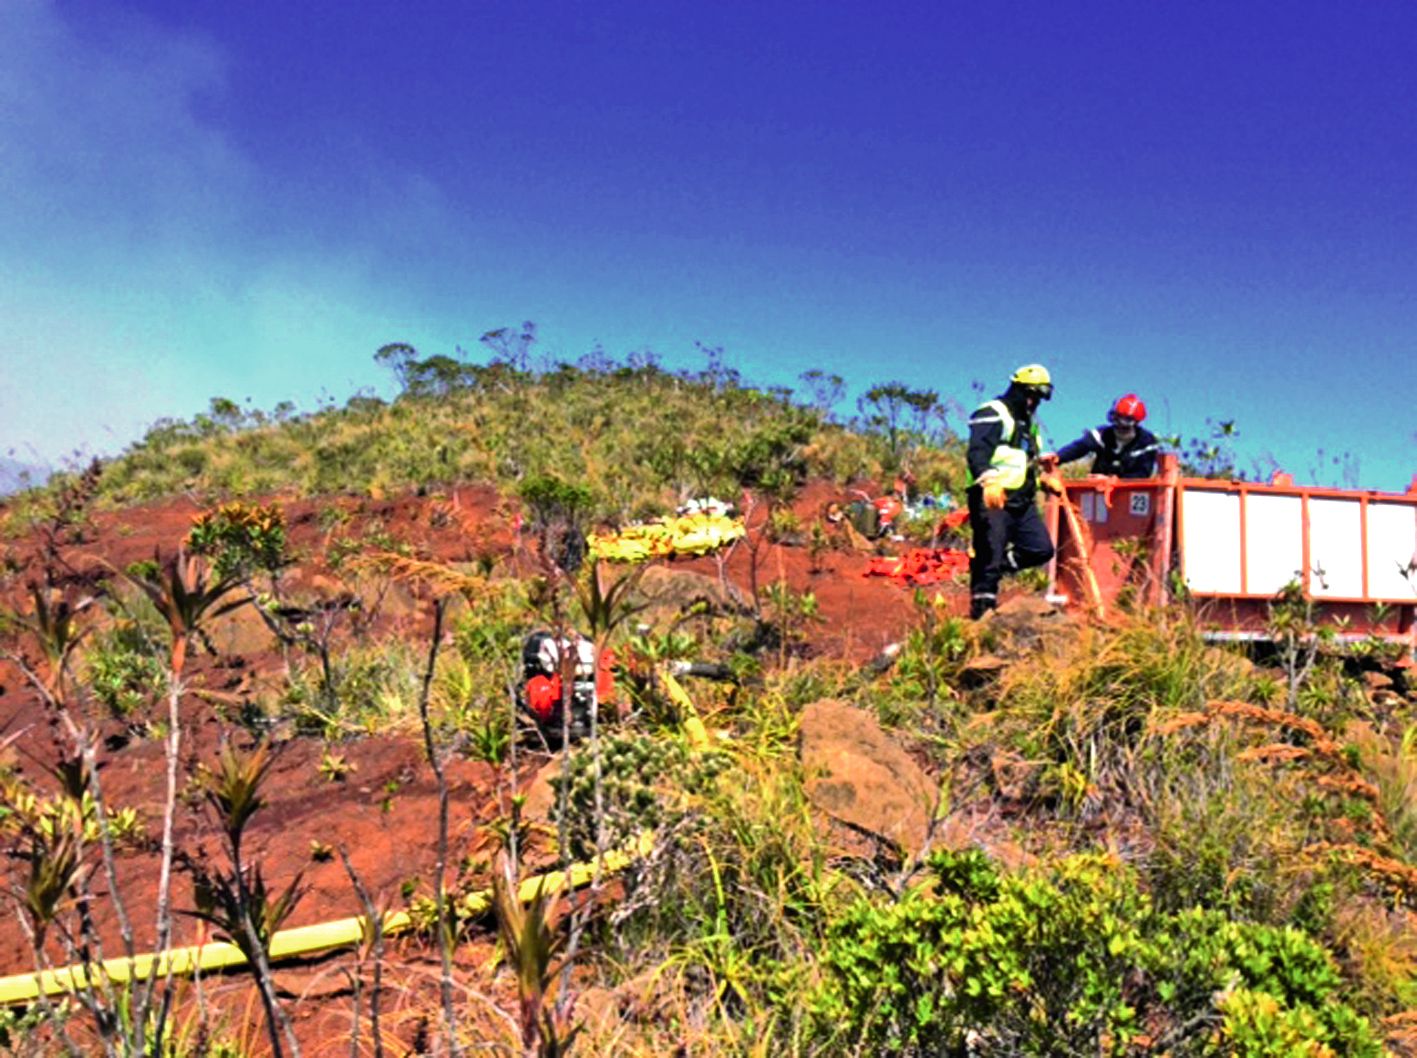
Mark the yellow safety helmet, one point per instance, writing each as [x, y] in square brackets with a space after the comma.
[1036, 377]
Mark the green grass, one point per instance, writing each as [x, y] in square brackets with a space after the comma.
[636, 435]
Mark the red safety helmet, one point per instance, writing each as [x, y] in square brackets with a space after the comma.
[543, 695]
[1131, 406]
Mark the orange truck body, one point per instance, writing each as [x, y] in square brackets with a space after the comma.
[1230, 547]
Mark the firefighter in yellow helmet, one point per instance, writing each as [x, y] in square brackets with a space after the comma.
[1009, 534]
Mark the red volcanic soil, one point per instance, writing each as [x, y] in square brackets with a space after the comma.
[384, 812]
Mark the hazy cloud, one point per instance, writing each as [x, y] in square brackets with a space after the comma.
[143, 269]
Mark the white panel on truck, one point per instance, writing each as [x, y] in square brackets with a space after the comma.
[1392, 548]
[1274, 542]
[1335, 548]
[1210, 545]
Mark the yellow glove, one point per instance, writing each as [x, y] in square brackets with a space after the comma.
[1051, 483]
[994, 497]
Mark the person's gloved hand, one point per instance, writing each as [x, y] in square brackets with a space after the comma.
[994, 497]
[1051, 482]
[1048, 461]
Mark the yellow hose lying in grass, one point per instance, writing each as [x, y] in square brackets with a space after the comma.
[344, 932]
[341, 933]
[693, 726]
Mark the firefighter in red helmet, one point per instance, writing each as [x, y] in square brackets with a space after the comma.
[1123, 448]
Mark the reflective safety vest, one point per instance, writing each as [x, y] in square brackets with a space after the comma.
[1009, 463]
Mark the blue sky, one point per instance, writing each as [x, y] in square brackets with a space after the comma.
[1212, 204]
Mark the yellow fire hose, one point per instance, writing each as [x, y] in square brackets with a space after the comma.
[693, 726]
[341, 933]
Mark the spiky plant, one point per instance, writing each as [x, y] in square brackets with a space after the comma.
[533, 949]
[188, 597]
[237, 900]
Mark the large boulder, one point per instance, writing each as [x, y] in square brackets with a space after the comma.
[1024, 625]
[669, 592]
[857, 775]
[240, 632]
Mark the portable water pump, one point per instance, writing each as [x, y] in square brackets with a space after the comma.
[542, 693]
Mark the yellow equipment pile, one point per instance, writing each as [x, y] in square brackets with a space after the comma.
[690, 534]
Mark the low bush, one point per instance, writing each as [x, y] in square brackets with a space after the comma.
[370, 689]
[124, 669]
[1072, 958]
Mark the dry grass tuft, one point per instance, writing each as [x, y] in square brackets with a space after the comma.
[1397, 876]
[1334, 770]
[441, 578]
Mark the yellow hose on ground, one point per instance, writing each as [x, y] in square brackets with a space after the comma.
[693, 726]
[341, 933]
[303, 940]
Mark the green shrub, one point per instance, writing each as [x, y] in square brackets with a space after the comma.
[731, 907]
[1032, 964]
[123, 668]
[369, 689]
[1277, 990]
[1072, 959]
[639, 777]
[932, 654]
[240, 539]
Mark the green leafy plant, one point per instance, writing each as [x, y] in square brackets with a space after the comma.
[187, 597]
[364, 689]
[391, 788]
[334, 767]
[53, 624]
[534, 949]
[122, 669]
[236, 899]
[127, 828]
[789, 613]
[783, 524]
[240, 539]
[18, 1025]
[933, 651]
[604, 605]
[1072, 959]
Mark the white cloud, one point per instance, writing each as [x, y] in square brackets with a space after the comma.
[140, 275]
[101, 135]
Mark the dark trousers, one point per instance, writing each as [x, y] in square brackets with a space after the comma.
[1005, 541]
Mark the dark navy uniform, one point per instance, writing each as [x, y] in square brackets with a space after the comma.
[1003, 445]
[1135, 458]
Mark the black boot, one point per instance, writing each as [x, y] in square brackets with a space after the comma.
[979, 605]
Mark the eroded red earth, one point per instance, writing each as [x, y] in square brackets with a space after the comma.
[384, 812]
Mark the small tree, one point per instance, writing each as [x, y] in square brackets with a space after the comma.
[900, 412]
[398, 357]
[825, 390]
[512, 346]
